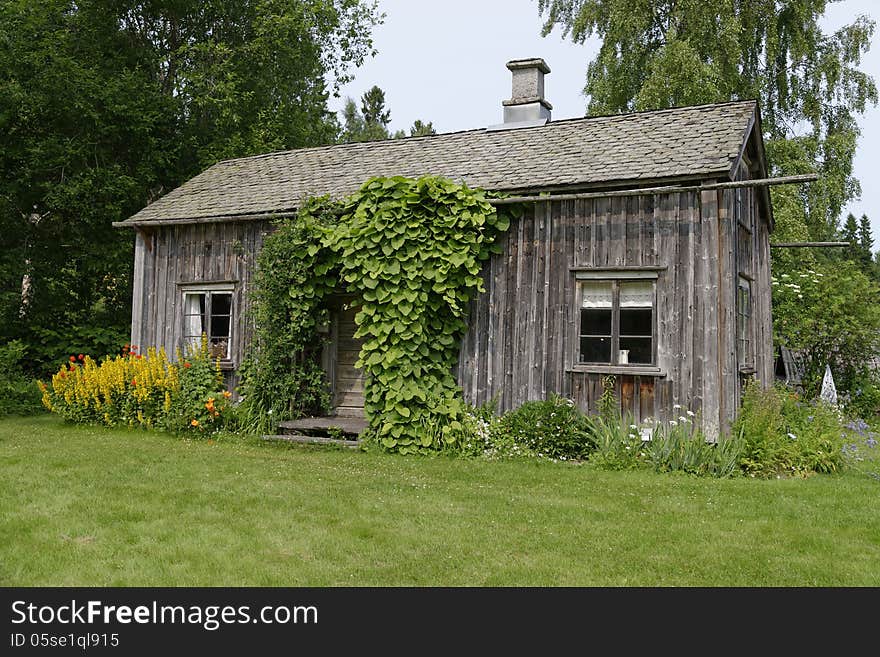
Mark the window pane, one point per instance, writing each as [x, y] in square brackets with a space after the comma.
[637, 294]
[639, 350]
[596, 294]
[219, 326]
[194, 320]
[221, 304]
[595, 350]
[595, 322]
[636, 321]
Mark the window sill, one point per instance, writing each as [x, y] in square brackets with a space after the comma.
[632, 370]
[227, 365]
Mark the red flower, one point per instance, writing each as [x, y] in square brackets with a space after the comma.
[138, 356]
[81, 357]
[134, 347]
[73, 359]
[133, 382]
[187, 365]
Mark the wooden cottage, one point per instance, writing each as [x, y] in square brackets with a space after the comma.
[646, 256]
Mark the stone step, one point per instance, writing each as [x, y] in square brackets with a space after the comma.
[314, 440]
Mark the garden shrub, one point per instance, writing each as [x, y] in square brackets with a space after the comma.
[782, 435]
[145, 390]
[553, 428]
[19, 394]
[862, 396]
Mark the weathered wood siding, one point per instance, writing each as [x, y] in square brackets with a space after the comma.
[174, 256]
[522, 339]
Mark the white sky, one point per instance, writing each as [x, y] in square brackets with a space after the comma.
[444, 63]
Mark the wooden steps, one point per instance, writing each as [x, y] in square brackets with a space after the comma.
[343, 431]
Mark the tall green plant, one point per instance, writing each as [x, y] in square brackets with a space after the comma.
[412, 250]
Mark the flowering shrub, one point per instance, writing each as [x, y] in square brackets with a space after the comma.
[553, 428]
[146, 390]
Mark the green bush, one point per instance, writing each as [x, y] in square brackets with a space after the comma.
[19, 394]
[553, 428]
[782, 435]
[863, 397]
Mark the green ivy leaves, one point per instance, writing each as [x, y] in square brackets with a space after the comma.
[411, 250]
[415, 281]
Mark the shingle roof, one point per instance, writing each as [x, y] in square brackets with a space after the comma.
[688, 141]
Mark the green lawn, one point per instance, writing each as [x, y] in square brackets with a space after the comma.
[84, 506]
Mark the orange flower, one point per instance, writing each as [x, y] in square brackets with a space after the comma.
[73, 359]
[187, 365]
[133, 382]
[194, 423]
[227, 394]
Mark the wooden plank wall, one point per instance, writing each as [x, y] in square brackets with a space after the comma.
[196, 253]
[522, 339]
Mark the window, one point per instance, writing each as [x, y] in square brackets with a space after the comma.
[744, 322]
[208, 311]
[617, 321]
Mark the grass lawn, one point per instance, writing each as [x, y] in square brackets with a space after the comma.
[82, 506]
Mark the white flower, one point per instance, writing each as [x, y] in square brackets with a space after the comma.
[632, 426]
[676, 406]
[683, 419]
[673, 423]
[691, 414]
[792, 436]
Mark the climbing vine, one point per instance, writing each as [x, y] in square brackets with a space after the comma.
[282, 375]
[411, 251]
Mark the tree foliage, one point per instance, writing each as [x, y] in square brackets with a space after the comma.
[107, 104]
[841, 326]
[663, 53]
[372, 121]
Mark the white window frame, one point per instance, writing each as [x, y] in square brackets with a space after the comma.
[615, 277]
[208, 289]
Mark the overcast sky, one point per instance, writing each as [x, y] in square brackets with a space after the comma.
[444, 62]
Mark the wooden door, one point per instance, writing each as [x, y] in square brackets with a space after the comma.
[348, 388]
